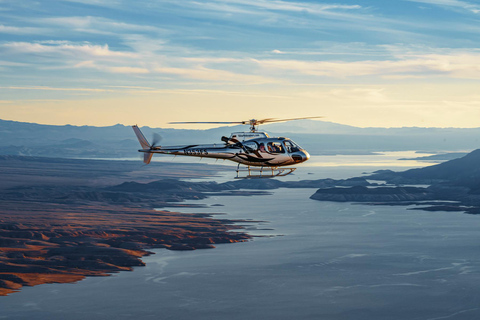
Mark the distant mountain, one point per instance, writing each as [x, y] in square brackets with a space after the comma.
[439, 157]
[21, 138]
[325, 127]
[464, 172]
[452, 186]
[310, 127]
[318, 137]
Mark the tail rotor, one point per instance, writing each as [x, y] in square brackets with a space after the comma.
[147, 148]
[157, 138]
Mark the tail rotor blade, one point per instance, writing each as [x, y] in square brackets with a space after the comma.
[157, 138]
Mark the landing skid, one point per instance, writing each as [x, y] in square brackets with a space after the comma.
[262, 172]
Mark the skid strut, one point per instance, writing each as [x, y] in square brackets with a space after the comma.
[262, 172]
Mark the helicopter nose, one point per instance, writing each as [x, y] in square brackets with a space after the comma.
[300, 156]
[305, 155]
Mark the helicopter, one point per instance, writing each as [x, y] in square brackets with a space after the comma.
[263, 156]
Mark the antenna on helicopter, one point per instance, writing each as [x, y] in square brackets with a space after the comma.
[253, 123]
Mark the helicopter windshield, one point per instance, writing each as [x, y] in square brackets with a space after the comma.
[291, 146]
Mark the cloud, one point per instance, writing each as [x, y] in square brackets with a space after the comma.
[91, 24]
[475, 8]
[456, 65]
[21, 30]
[293, 6]
[64, 48]
[365, 95]
[41, 88]
[130, 70]
[12, 64]
[86, 26]
[398, 65]
[202, 73]
[214, 93]
[63, 54]
[100, 3]
[253, 7]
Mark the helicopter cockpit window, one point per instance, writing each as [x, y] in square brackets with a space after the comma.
[291, 146]
[275, 147]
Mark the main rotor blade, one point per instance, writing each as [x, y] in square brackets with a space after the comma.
[185, 122]
[282, 120]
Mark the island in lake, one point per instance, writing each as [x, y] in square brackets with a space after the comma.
[450, 186]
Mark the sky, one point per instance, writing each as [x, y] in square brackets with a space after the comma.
[364, 63]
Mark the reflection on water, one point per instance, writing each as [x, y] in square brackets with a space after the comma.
[322, 167]
[318, 167]
[381, 159]
[321, 260]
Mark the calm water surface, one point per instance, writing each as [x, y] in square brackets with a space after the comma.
[319, 260]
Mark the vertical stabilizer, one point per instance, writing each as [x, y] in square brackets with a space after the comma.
[147, 156]
[141, 138]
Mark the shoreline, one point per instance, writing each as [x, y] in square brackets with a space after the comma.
[60, 243]
[59, 224]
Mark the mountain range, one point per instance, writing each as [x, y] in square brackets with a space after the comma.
[318, 137]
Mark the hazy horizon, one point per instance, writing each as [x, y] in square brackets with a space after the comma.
[217, 126]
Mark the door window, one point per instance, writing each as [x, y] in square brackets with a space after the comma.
[275, 147]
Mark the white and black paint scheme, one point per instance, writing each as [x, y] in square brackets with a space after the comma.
[252, 148]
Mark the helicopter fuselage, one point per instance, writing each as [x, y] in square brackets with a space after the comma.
[260, 151]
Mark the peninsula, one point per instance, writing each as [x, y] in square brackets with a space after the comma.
[61, 220]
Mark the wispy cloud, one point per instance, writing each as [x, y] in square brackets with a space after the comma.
[456, 65]
[12, 64]
[100, 3]
[42, 88]
[100, 25]
[235, 6]
[392, 62]
[475, 8]
[202, 73]
[101, 58]
[62, 48]
[21, 30]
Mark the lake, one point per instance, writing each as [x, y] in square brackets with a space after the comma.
[314, 260]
